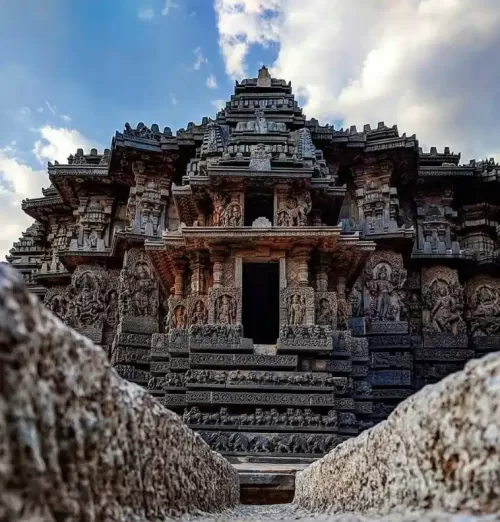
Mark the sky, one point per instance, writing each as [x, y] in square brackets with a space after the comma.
[72, 72]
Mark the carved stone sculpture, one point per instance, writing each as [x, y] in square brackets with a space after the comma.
[442, 296]
[384, 279]
[225, 310]
[296, 310]
[483, 301]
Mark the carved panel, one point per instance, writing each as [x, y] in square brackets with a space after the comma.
[384, 277]
[293, 209]
[326, 308]
[267, 443]
[274, 418]
[224, 306]
[297, 306]
[442, 299]
[197, 310]
[272, 399]
[483, 305]
[177, 316]
[305, 337]
[138, 301]
[292, 272]
[242, 360]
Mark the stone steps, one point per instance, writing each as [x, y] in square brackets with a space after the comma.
[267, 483]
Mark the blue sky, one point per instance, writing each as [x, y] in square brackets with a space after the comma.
[102, 63]
[72, 72]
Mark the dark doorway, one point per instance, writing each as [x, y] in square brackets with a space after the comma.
[258, 203]
[261, 302]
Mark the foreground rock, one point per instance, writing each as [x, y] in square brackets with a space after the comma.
[79, 443]
[439, 450]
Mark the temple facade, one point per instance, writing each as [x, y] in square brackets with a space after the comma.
[280, 284]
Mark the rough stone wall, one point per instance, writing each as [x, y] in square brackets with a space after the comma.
[77, 442]
[438, 450]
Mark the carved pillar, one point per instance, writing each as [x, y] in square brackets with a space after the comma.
[302, 257]
[179, 267]
[322, 273]
[197, 277]
[218, 256]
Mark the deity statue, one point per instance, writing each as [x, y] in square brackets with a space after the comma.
[199, 314]
[111, 311]
[180, 317]
[88, 304]
[387, 304]
[485, 311]
[356, 301]
[57, 305]
[219, 210]
[324, 312]
[445, 314]
[92, 239]
[297, 310]
[231, 216]
[144, 290]
[225, 310]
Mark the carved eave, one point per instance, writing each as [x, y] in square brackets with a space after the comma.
[162, 262]
[219, 172]
[446, 171]
[69, 180]
[185, 204]
[51, 278]
[433, 158]
[202, 238]
[41, 208]
[73, 258]
[401, 234]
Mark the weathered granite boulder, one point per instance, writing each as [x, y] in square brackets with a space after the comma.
[77, 442]
[438, 450]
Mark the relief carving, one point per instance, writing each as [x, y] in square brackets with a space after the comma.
[88, 303]
[293, 210]
[384, 277]
[442, 297]
[226, 213]
[297, 306]
[199, 313]
[139, 287]
[483, 302]
[326, 308]
[225, 310]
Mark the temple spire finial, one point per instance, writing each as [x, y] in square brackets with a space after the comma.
[264, 78]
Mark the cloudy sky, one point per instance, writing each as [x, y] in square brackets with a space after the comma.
[72, 72]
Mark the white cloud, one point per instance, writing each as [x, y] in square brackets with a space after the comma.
[52, 108]
[173, 99]
[40, 110]
[169, 5]
[17, 182]
[199, 59]
[212, 82]
[242, 23]
[146, 14]
[59, 143]
[218, 104]
[66, 118]
[24, 111]
[426, 65]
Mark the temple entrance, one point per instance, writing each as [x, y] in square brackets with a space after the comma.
[261, 302]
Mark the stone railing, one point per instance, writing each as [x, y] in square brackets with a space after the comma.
[77, 442]
[439, 450]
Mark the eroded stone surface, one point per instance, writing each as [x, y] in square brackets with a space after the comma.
[77, 442]
[440, 449]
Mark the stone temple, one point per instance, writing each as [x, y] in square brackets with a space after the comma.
[280, 284]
